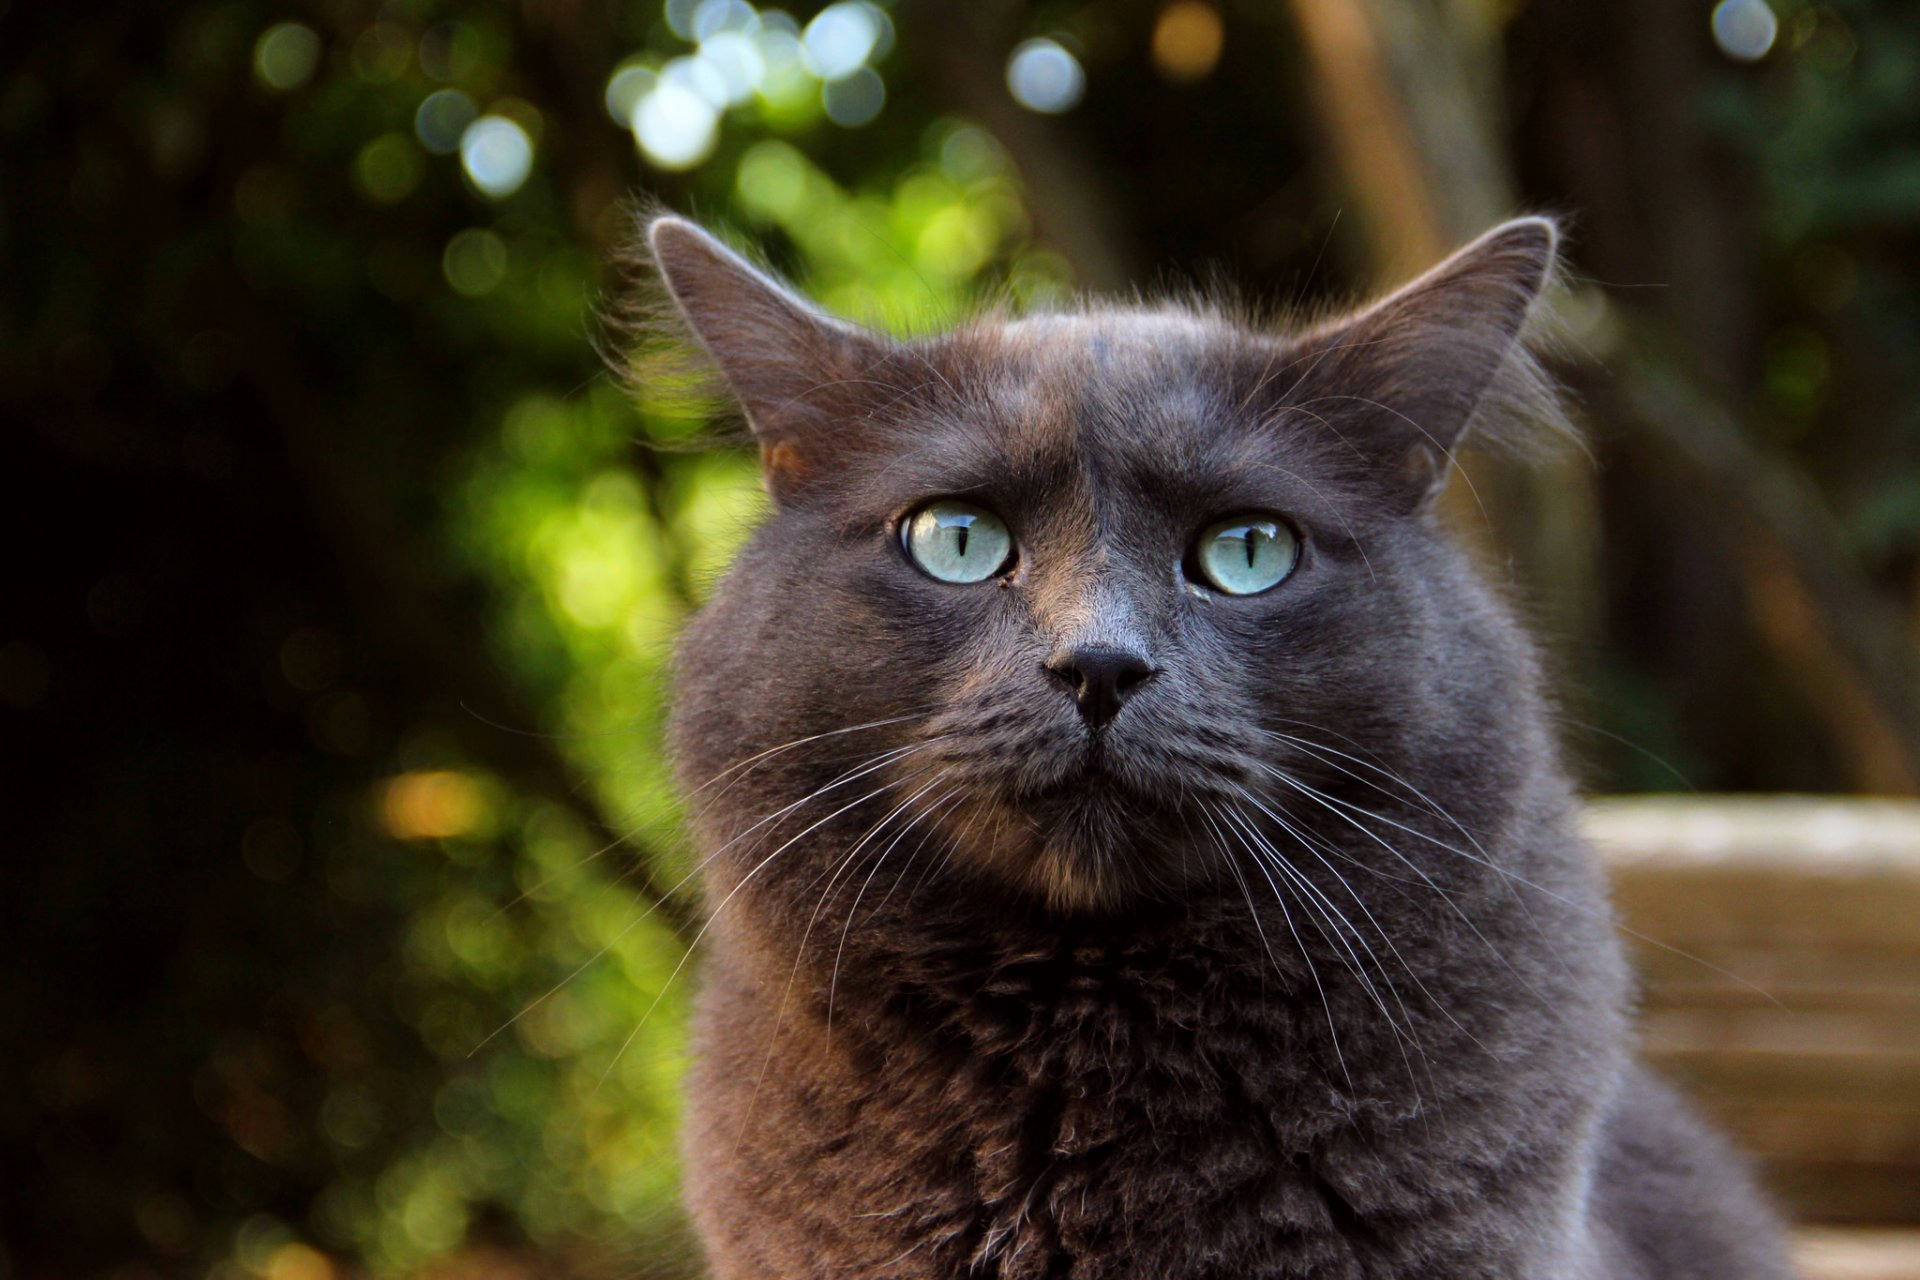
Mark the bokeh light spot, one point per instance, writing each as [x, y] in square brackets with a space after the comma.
[840, 38]
[431, 804]
[679, 14]
[1744, 29]
[285, 56]
[1187, 40]
[955, 242]
[971, 154]
[772, 179]
[699, 77]
[388, 168]
[854, 100]
[475, 262]
[1043, 76]
[735, 56]
[786, 87]
[297, 1261]
[625, 88]
[443, 116]
[714, 17]
[675, 126]
[497, 154]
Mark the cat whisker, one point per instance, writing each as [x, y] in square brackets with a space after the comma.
[748, 765]
[1313, 899]
[1333, 1031]
[757, 757]
[839, 953]
[1338, 808]
[694, 945]
[1321, 851]
[1322, 752]
[1559, 898]
[878, 762]
[799, 954]
[933, 809]
[872, 763]
[1314, 359]
[654, 906]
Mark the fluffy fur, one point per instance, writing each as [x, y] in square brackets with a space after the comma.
[1296, 967]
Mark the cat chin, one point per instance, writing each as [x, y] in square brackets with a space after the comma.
[1085, 847]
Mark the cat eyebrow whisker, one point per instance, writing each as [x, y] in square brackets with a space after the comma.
[1279, 414]
[1331, 506]
[1318, 356]
[1446, 451]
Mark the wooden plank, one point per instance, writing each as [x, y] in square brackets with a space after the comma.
[1854, 1254]
[1794, 1016]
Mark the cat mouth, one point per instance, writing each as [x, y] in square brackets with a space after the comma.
[1091, 777]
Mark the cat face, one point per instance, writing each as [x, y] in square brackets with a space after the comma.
[1086, 576]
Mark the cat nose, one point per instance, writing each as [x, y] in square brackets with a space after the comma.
[1100, 678]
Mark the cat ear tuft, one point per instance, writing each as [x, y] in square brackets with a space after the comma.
[1403, 378]
[789, 364]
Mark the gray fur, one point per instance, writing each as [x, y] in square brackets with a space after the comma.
[1295, 968]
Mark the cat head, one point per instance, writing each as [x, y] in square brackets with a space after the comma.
[1069, 598]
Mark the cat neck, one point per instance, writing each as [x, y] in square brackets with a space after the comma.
[1018, 1070]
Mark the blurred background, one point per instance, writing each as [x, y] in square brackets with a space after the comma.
[339, 852]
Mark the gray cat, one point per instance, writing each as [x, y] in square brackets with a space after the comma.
[1134, 838]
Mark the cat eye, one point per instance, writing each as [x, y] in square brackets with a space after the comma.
[957, 541]
[1246, 554]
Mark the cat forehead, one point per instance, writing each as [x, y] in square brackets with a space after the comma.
[1106, 380]
[1143, 400]
[1134, 332]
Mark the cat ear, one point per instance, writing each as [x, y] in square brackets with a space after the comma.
[1402, 379]
[795, 370]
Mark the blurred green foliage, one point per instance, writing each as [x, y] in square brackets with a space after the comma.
[498, 1059]
[1832, 135]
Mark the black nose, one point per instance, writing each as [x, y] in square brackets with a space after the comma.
[1101, 679]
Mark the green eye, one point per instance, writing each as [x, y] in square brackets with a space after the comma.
[957, 541]
[1246, 554]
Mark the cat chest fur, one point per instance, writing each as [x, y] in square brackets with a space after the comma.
[1078, 1108]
